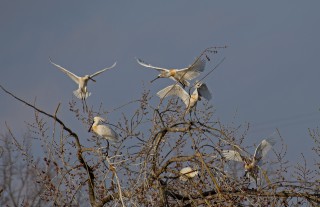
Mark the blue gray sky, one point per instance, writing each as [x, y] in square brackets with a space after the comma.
[269, 77]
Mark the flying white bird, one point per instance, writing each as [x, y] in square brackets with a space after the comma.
[187, 173]
[251, 165]
[81, 92]
[103, 131]
[201, 90]
[179, 75]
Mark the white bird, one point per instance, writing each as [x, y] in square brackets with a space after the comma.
[187, 173]
[179, 75]
[103, 131]
[251, 165]
[201, 90]
[81, 92]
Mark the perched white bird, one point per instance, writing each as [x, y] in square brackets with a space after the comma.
[251, 165]
[187, 173]
[201, 90]
[179, 75]
[102, 130]
[81, 92]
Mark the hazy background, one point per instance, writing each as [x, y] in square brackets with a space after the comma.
[270, 77]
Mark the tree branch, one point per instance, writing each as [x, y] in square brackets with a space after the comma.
[71, 133]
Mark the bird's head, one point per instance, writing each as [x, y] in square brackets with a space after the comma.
[97, 119]
[89, 77]
[165, 74]
[198, 84]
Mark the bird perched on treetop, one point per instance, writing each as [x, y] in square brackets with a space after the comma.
[103, 131]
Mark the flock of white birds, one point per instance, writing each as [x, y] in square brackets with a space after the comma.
[181, 76]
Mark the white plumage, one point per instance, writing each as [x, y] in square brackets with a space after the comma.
[251, 165]
[187, 173]
[103, 131]
[81, 92]
[201, 90]
[179, 75]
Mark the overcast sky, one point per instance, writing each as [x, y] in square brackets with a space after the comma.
[270, 77]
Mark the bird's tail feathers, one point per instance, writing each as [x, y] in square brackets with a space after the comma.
[81, 95]
[113, 139]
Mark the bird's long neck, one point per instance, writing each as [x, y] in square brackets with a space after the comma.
[249, 164]
[95, 124]
[195, 95]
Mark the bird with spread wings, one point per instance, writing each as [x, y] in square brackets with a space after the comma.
[180, 75]
[251, 164]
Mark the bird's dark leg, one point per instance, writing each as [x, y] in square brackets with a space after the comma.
[195, 110]
[245, 173]
[256, 180]
[246, 177]
[107, 149]
[85, 104]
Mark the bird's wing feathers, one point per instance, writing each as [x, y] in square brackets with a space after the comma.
[107, 133]
[100, 71]
[74, 77]
[263, 148]
[232, 155]
[204, 91]
[187, 74]
[175, 90]
[193, 70]
[198, 65]
[141, 62]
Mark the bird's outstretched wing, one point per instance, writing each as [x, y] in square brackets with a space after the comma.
[175, 90]
[263, 148]
[100, 71]
[204, 91]
[74, 77]
[198, 65]
[141, 62]
[232, 155]
[193, 70]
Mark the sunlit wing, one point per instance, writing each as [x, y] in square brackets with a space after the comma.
[186, 74]
[100, 71]
[74, 77]
[141, 62]
[232, 155]
[175, 90]
[106, 132]
[204, 91]
[263, 148]
[194, 69]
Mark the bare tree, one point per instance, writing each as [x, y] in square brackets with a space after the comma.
[144, 167]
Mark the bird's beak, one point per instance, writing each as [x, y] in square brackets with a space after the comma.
[90, 127]
[92, 79]
[154, 79]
